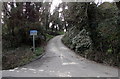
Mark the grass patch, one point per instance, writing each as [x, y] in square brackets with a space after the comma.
[19, 57]
[61, 33]
[39, 51]
[49, 37]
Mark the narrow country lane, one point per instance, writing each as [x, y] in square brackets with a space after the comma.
[60, 61]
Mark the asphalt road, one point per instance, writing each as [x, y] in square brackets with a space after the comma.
[60, 61]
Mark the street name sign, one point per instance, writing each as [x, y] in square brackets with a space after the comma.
[33, 32]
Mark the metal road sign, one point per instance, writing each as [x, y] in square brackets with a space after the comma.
[33, 32]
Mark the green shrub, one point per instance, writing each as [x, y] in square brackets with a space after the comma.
[39, 51]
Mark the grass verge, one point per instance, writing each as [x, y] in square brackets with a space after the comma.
[20, 56]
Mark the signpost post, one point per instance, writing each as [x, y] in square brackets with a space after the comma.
[33, 33]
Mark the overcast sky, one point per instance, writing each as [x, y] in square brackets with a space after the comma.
[55, 3]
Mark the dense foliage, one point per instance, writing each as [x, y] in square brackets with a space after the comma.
[97, 36]
[21, 17]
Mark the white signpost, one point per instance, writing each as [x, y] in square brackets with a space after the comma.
[33, 33]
